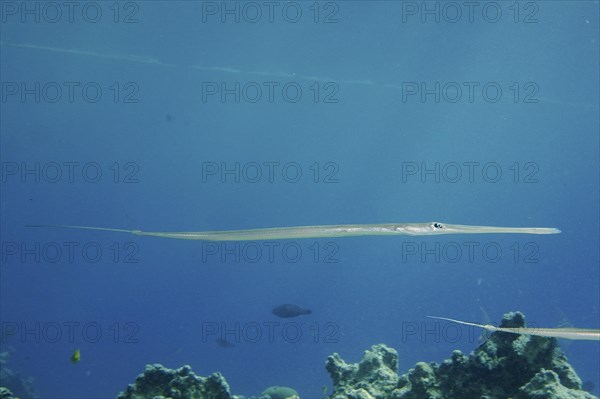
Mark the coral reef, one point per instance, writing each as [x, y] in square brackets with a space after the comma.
[373, 377]
[158, 382]
[11, 380]
[5, 393]
[505, 366]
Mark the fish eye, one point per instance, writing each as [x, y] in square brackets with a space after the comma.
[437, 225]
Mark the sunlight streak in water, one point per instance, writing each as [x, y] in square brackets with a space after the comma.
[236, 71]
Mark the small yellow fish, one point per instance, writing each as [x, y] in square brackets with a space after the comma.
[76, 356]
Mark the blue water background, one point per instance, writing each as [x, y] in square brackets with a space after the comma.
[155, 310]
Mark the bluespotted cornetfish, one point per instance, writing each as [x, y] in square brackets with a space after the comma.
[327, 231]
[584, 334]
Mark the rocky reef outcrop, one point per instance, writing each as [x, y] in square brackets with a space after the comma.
[5, 393]
[158, 382]
[505, 366]
[12, 383]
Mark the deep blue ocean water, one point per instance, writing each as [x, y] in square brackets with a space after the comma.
[191, 116]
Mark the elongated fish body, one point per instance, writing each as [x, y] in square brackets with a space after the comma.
[327, 231]
[582, 334]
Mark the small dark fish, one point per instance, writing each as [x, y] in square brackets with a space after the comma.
[288, 310]
[223, 343]
[169, 117]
